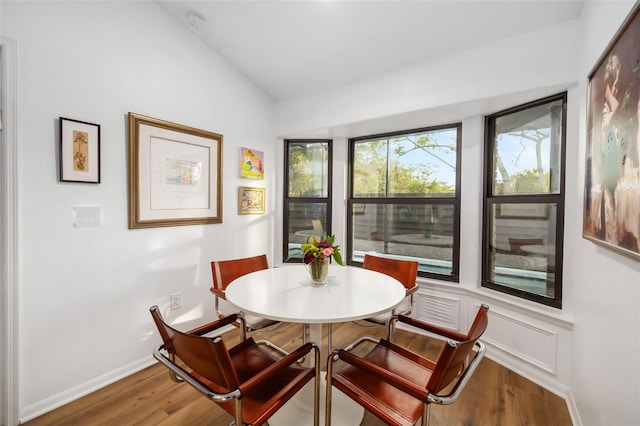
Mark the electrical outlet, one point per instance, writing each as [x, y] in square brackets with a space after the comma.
[176, 300]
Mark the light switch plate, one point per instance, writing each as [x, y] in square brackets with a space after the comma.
[87, 216]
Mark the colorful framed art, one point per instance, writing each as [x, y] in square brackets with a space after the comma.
[252, 164]
[251, 200]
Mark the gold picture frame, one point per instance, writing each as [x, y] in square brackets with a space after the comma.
[251, 200]
[175, 174]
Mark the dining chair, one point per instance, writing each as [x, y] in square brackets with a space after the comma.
[225, 271]
[247, 381]
[405, 271]
[397, 385]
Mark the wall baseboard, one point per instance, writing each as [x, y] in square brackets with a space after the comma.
[83, 389]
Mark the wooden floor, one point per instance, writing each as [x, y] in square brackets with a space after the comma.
[495, 396]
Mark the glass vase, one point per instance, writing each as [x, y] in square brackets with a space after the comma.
[318, 270]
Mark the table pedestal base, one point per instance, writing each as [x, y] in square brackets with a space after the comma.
[299, 410]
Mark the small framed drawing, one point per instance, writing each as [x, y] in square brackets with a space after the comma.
[79, 151]
[250, 200]
[175, 174]
[612, 172]
[252, 164]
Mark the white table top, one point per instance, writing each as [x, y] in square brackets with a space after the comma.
[286, 294]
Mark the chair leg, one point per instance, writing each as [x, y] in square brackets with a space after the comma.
[304, 341]
[238, 408]
[316, 390]
[174, 377]
[327, 409]
[392, 330]
[329, 338]
[426, 413]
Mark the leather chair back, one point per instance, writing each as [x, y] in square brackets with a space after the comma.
[453, 357]
[404, 271]
[225, 271]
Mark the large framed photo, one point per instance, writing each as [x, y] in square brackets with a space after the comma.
[79, 151]
[250, 200]
[612, 187]
[175, 174]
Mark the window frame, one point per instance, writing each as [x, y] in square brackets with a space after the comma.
[454, 201]
[489, 199]
[293, 200]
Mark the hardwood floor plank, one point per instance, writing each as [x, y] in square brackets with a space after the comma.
[494, 396]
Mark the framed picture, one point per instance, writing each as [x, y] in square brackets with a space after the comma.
[612, 187]
[252, 164]
[175, 174]
[79, 151]
[250, 200]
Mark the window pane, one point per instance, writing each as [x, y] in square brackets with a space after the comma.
[526, 157]
[408, 231]
[421, 164]
[522, 248]
[305, 220]
[370, 168]
[308, 169]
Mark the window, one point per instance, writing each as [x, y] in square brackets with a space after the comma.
[307, 201]
[524, 201]
[404, 198]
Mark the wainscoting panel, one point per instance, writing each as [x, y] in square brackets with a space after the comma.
[531, 343]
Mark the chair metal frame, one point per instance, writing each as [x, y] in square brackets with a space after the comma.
[421, 393]
[165, 355]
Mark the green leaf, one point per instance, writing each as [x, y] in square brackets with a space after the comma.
[338, 257]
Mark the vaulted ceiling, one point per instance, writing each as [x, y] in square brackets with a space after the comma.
[299, 47]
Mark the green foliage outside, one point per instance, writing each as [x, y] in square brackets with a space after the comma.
[305, 174]
[525, 182]
[374, 169]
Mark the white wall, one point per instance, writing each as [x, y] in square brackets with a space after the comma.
[458, 85]
[84, 294]
[605, 373]
[586, 352]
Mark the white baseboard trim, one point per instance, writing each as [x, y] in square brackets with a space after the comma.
[56, 401]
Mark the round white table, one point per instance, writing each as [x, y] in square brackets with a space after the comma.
[286, 294]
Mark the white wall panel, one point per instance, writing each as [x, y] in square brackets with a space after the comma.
[521, 338]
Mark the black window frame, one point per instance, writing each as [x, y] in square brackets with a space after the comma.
[489, 199]
[292, 200]
[454, 201]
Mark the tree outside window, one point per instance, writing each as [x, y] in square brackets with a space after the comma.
[524, 201]
[404, 198]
